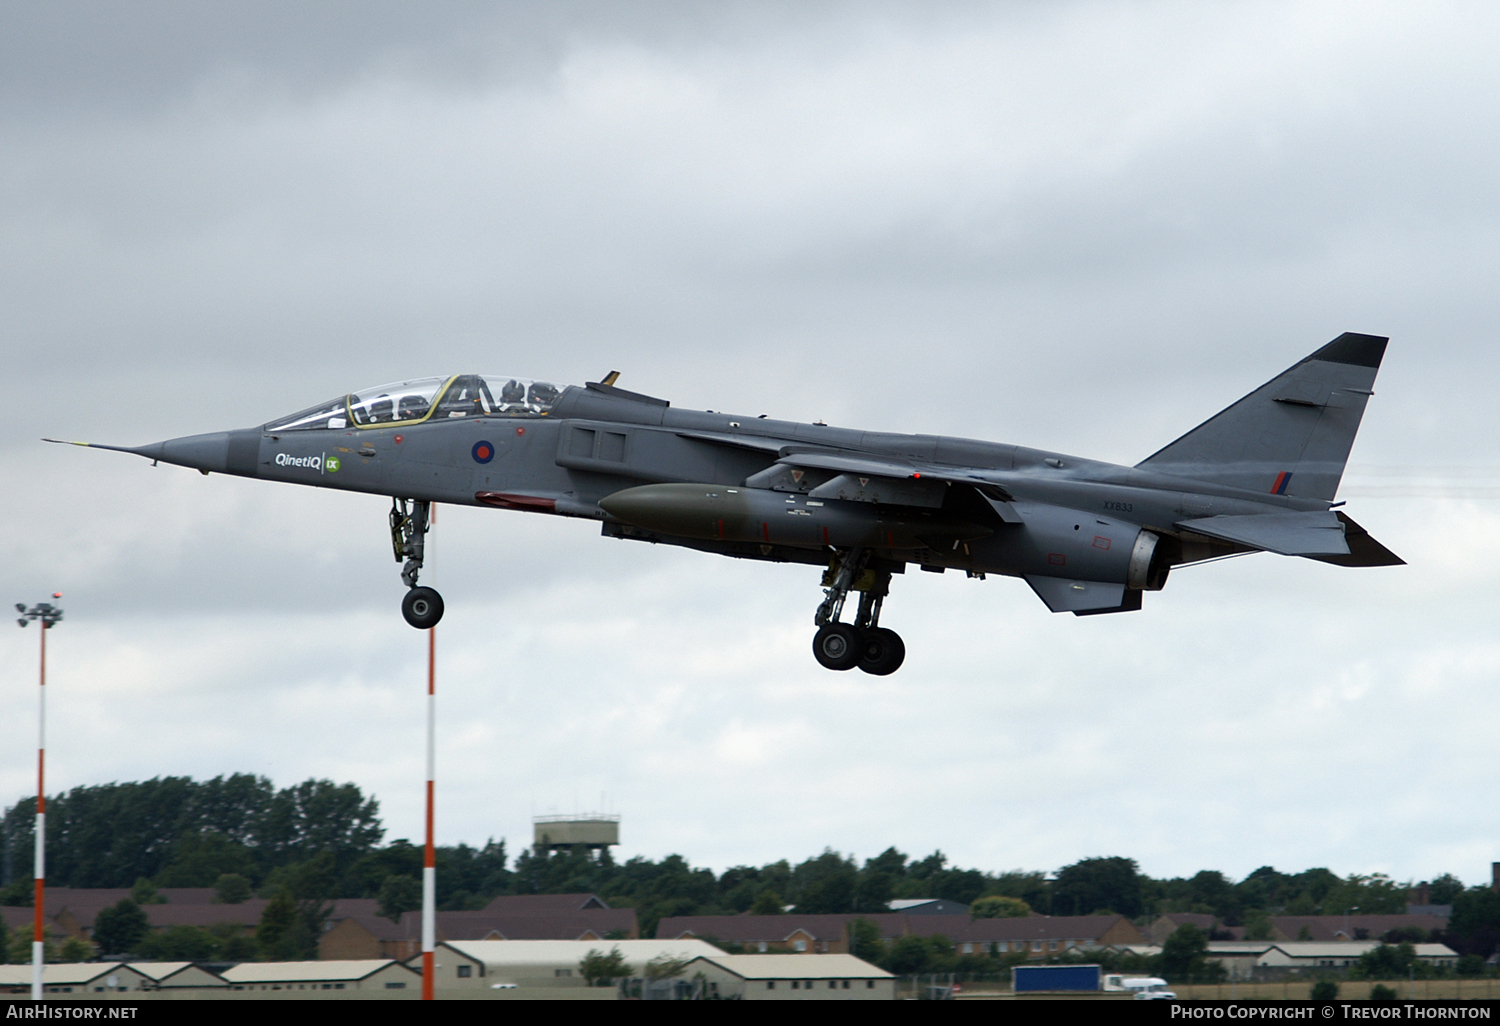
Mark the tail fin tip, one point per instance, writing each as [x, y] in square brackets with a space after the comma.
[1354, 349]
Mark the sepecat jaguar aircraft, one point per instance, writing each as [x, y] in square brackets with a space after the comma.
[1088, 537]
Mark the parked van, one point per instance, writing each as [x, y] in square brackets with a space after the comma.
[1145, 988]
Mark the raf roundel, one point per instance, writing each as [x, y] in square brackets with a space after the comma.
[483, 452]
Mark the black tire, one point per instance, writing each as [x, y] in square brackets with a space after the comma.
[881, 651]
[422, 607]
[836, 646]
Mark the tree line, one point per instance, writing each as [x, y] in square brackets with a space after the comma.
[309, 843]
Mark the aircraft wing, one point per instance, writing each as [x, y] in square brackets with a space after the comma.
[864, 464]
[895, 481]
[1315, 533]
[883, 466]
[755, 443]
[865, 477]
[870, 466]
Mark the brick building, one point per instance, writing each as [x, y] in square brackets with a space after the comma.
[810, 934]
[582, 917]
[1037, 936]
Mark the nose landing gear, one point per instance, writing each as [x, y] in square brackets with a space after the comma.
[841, 646]
[410, 520]
[422, 608]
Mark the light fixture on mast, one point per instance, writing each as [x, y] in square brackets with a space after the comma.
[48, 616]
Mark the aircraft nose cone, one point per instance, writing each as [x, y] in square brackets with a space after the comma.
[201, 452]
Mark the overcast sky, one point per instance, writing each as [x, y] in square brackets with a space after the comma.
[1084, 227]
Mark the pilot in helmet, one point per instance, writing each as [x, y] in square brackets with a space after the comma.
[543, 394]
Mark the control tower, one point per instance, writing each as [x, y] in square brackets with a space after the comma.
[591, 830]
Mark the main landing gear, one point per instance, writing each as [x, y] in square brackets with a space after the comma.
[410, 520]
[866, 644]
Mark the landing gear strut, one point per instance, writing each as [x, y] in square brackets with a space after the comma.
[410, 520]
[866, 644]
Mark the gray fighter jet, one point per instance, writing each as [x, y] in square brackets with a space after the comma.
[1088, 537]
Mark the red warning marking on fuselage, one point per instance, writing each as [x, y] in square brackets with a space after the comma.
[765, 530]
[1057, 559]
[721, 528]
[1101, 542]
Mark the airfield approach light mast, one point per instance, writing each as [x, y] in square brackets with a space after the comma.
[429, 854]
[48, 615]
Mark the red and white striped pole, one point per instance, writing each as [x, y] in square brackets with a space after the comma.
[38, 944]
[47, 614]
[429, 855]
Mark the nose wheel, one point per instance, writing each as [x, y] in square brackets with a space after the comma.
[422, 607]
[410, 520]
[840, 646]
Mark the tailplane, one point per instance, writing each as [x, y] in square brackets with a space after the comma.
[1292, 435]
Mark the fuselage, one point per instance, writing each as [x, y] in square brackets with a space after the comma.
[1088, 537]
[723, 483]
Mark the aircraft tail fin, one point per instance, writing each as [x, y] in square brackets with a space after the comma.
[1292, 435]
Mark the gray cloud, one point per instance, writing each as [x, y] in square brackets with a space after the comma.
[1080, 226]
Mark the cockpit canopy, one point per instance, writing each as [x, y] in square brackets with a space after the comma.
[411, 402]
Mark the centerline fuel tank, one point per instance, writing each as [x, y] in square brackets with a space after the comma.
[720, 513]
